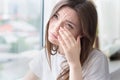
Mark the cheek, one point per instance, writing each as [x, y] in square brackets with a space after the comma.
[49, 30]
[76, 34]
[49, 27]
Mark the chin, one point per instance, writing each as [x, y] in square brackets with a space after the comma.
[54, 42]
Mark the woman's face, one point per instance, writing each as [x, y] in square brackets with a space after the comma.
[66, 18]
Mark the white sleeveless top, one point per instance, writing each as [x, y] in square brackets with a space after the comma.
[95, 67]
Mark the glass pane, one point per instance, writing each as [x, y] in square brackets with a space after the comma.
[20, 36]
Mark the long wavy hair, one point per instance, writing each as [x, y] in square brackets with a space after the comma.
[87, 15]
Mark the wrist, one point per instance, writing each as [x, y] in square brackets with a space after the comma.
[75, 65]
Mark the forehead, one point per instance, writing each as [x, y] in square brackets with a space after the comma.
[66, 9]
[69, 13]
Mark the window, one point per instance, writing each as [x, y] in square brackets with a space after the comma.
[20, 36]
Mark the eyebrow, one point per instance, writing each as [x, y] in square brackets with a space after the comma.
[67, 20]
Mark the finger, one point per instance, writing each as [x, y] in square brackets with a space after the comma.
[64, 38]
[69, 36]
[68, 33]
[62, 43]
[78, 40]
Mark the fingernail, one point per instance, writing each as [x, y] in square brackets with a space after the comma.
[60, 28]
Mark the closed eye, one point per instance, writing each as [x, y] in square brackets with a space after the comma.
[70, 26]
[55, 16]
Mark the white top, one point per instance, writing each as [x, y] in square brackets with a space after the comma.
[95, 67]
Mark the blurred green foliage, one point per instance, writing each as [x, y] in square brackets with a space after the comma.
[19, 46]
[2, 40]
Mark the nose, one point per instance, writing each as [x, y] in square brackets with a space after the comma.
[57, 27]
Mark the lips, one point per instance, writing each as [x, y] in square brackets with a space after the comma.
[53, 35]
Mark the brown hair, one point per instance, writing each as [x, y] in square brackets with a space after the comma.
[87, 14]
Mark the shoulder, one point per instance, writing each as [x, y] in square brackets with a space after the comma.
[96, 54]
[96, 66]
[96, 57]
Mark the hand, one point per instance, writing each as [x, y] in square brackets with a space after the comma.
[71, 47]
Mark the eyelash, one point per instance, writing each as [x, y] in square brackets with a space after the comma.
[70, 26]
[55, 16]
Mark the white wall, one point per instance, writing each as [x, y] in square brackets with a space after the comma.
[109, 22]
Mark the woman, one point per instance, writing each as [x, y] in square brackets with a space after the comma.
[69, 52]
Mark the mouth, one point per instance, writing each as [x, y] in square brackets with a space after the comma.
[54, 35]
